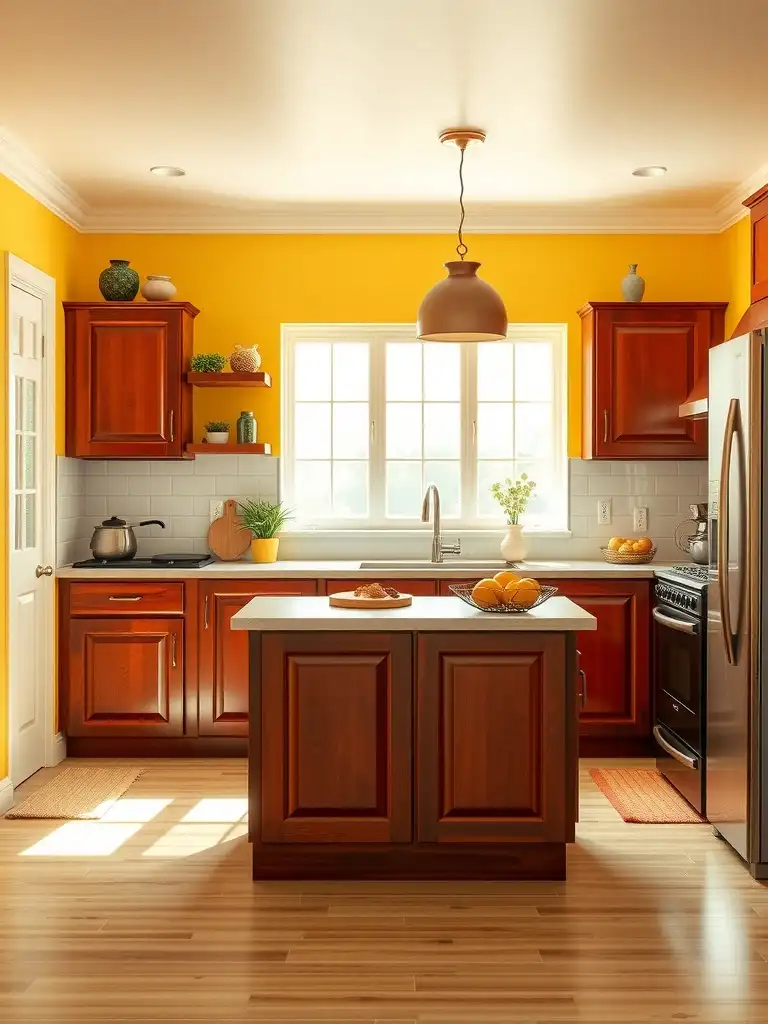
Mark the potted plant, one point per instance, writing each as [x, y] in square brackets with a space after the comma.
[513, 496]
[207, 362]
[217, 432]
[264, 519]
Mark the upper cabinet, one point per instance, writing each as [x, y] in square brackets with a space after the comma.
[640, 363]
[127, 395]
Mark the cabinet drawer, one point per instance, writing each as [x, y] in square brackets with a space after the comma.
[126, 597]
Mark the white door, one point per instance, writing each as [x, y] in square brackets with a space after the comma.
[30, 585]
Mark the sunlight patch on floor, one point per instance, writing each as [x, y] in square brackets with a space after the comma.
[135, 810]
[83, 839]
[218, 810]
[187, 839]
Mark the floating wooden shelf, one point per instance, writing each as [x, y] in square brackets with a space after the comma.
[229, 449]
[230, 380]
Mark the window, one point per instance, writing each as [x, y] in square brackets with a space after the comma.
[371, 416]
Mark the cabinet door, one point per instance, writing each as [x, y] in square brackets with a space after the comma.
[124, 382]
[223, 653]
[125, 677]
[642, 362]
[335, 737]
[616, 657]
[493, 719]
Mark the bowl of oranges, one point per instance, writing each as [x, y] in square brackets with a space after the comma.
[629, 550]
[505, 592]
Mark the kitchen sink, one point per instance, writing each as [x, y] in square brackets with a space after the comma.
[450, 565]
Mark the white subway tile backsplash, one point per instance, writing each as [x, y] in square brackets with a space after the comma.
[125, 468]
[216, 465]
[692, 468]
[185, 468]
[608, 486]
[676, 485]
[94, 467]
[149, 485]
[257, 465]
[96, 505]
[579, 484]
[130, 505]
[162, 505]
[107, 485]
[240, 486]
[189, 526]
[191, 485]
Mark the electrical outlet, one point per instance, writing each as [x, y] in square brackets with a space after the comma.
[641, 519]
[604, 511]
[217, 509]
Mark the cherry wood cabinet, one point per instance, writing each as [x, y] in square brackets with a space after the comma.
[335, 745]
[640, 363]
[615, 658]
[125, 677]
[127, 395]
[223, 653]
[495, 731]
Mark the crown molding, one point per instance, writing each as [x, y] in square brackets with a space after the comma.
[24, 169]
[400, 218]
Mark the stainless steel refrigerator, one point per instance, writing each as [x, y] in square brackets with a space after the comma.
[736, 763]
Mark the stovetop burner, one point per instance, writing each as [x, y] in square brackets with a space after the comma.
[185, 560]
[696, 572]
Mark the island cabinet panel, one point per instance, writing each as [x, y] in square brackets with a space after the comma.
[615, 658]
[336, 738]
[492, 738]
[640, 363]
[126, 393]
[126, 677]
[222, 684]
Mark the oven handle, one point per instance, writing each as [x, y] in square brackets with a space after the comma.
[689, 762]
[691, 628]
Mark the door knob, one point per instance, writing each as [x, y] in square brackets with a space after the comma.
[44, 570]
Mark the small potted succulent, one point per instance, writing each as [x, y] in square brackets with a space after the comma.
[217, 432]
[264, 519]
[513, 496]
[208, 362]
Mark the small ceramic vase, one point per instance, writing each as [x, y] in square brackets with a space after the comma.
[119, 282]
[633, 286]
[217, 436]
[245, 360]
[513, 546]
[158, 289]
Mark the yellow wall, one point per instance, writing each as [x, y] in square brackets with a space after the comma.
[30, 231]
[738, 264]
[246, 285]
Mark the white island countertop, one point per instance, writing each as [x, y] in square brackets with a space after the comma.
[305, 614]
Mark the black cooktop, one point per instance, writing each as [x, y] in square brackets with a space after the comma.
[185, 560]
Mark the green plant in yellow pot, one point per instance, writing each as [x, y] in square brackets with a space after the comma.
[265, 520]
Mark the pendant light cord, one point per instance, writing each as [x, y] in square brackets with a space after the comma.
[461, 248]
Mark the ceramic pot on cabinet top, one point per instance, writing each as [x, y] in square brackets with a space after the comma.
[119, 282]
[158, 288]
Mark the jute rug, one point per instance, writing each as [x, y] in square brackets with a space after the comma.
[643, 796]
[79, 791]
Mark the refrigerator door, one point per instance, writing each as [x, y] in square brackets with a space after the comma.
[732, 369]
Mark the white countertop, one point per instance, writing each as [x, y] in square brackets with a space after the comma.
[305, 614]
[449, 570]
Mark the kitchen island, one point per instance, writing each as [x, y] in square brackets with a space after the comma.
[433, 741]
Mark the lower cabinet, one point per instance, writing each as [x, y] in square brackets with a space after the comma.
[336, 738]
[125, 677]
[222, 689]
[615, 658]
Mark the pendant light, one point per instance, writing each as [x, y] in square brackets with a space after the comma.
[462, 307]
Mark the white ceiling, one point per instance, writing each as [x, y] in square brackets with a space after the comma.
[291, 114]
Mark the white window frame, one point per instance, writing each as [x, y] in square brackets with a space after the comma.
[554, 333]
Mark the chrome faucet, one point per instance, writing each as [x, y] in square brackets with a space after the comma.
[438, 548]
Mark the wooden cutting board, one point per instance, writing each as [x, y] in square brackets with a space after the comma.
[226, 537]
[347, 599]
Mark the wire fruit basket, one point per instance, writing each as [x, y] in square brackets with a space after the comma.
[628, 557]
[464, 591]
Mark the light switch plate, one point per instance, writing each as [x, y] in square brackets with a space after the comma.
[641, 519]
[217, 509]
[604, 511]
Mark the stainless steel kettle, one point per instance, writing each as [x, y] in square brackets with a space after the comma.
[115, 540]
[692, 535]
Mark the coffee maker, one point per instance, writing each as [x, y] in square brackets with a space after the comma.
[692, 535]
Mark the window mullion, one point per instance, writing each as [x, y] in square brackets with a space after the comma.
[378, 430]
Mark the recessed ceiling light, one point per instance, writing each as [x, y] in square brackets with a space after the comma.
[163, 171]
[653, 171]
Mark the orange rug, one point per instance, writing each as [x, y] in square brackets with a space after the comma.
[643, 796]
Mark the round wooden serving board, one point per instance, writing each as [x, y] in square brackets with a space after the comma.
[347, 599]
[226, 537]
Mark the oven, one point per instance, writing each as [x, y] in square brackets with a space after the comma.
[679, 652]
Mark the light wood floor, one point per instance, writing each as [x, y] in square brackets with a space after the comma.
[151, 915]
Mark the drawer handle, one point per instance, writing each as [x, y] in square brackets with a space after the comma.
[205, 612]
[171, 426]
[689, 762]
[173, 650]
[691, 628]
[605, 426]
[132, 597]
[583, 693]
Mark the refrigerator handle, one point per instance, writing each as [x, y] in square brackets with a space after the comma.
[723, 529]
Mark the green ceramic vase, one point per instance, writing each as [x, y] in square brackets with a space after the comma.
[119, 283]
